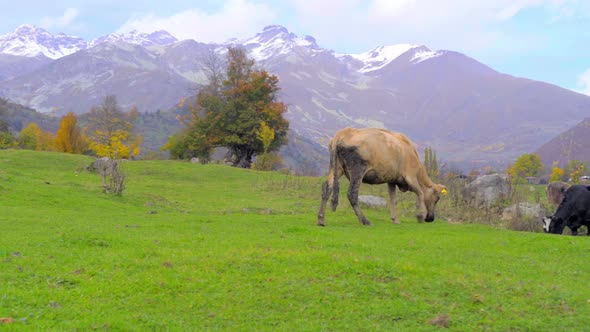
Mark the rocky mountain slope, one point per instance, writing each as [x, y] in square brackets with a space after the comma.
[573, 144]
[469, 113]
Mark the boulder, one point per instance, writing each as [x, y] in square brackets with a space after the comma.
[487, 189]
[524, 210]
[99, 165]
[195, 160]
[372, 201]
[555, 192]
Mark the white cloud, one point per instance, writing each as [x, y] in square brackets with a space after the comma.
[584, 82]
[237, 18]
[463, 25]
[64, 20]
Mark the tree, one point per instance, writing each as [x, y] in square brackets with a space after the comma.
[528, 164]
[34, 138]
[556, 173]
[6, 137]
[69, 137]
[28, 137]
[110, 131]
[266, 161]
[574, 170]
[431, 163]
[230, 114]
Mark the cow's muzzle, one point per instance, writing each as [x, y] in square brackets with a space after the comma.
[429, 218]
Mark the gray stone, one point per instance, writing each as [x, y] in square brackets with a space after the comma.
[195, 160]
[487, 189]
[99, 165]
[372, 201]
[524, 210]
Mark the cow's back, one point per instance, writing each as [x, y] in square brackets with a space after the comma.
[382, 149]
[576, 201]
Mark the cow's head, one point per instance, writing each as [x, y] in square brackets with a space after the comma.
[431, 197]
[553, 225]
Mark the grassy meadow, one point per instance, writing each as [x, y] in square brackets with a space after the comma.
[209, 247]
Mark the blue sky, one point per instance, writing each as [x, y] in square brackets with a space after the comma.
[546, 40]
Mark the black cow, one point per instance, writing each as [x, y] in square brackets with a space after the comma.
[573, 212]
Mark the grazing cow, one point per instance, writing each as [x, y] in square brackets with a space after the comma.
[377, 156]
[555, 192]
[573, 211]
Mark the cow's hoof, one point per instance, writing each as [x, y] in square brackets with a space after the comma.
[395, 221]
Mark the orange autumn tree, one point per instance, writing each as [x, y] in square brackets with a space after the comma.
[69, 137]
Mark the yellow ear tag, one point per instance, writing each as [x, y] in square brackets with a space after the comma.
[444, 191]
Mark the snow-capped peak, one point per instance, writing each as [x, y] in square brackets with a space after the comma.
[272, 41]
[379, 57]
[31, 41]
[423, 54]
[136, 37]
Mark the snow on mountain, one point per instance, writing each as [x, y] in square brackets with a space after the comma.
[274, 40]
[424, 54]
[379, 57]
[136, 37]
[31, 41]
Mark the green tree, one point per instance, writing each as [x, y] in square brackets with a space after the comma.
[528, 164]
[6, 137]
[229, 114]
[431, 163]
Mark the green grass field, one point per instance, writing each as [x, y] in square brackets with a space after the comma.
[209, 247]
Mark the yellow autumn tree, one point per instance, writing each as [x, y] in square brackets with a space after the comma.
[556, 173]
[34, 138]
[110, 131]
[27, 139]
[266, 161]
[69, 137]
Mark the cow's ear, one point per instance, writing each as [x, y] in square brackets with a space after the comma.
[443, 190]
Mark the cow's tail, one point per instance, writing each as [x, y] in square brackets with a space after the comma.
[334, 173]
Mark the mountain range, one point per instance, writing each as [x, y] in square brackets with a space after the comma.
[470, 114]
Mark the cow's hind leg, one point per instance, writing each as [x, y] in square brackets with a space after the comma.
[392, 202]
[353, 197]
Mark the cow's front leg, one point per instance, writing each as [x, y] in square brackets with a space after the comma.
[392, 202]
[420, 206]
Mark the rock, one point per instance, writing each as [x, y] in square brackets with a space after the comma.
[487, 189]
[555, 192]
[372, 201]
[524, 210]
[100, 164]
[195, 160]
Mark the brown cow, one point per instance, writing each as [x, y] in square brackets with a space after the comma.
[377, 156]
[555, 192]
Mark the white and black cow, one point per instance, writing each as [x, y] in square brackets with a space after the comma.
[573, 212]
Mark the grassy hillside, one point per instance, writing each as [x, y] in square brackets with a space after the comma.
[194, 247]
